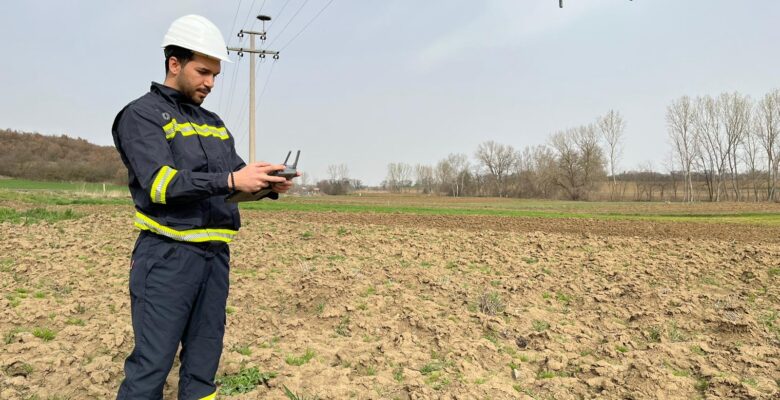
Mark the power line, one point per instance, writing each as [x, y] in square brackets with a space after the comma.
[258, 12]
[238, 110]
[243, 108]
[233, 85]
[307, 25]
[265, 85]
[228, 82]
[288, 23]
[233, 26]
[249, 13]
[260, 100]
[235, 17]
[243, 105]
[279, 14]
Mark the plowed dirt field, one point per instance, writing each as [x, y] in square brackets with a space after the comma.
[400, 306]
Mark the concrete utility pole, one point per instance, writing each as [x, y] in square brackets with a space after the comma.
[261, 53]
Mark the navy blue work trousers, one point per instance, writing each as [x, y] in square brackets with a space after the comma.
[178, 293]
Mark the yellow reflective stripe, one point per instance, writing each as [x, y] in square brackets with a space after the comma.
[190, 235]
[166, 181]
[160, 184]
[156, 183]
[209, 397]
[189, 129]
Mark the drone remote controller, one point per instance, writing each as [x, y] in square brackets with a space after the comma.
[289, 172]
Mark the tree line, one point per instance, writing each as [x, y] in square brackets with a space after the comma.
[572, 164]
[724, 147]
[58, 158]
[729, 144]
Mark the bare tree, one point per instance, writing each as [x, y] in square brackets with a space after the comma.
[460, 166]
[735, 118]
[612, 127]
[398, 176]
[751, 146]
[445, 175]
[338, 172]
[580, 161]
[535, 172]
[679, 121]
[712, 143]
[338, 180]
[767, 125]
[424, 178]
[497, 159]
[451, 174]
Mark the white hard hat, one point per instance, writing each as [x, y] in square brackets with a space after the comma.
[196, 33]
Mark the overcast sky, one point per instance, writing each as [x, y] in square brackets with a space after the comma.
[371, 82]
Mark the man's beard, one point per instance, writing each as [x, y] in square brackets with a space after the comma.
[193, 94]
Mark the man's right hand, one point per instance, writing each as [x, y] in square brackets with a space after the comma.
[255, 176]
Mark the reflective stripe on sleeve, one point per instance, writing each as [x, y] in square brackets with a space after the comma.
[160, 184]
[145, 223]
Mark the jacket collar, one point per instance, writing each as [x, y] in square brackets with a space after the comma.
[171, 95]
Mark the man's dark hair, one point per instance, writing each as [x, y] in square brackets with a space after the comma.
[181, 54]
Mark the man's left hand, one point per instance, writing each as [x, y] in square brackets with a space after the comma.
[283, 187]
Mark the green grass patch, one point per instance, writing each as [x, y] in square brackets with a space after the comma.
[369, 370]
[63, 198]
[696, 349]
[243, 350]
[563, 298]
[369, 291]
[244, 381]
[540, 326]
[75, 321]
[11, 335]
[36, 215]
[510, 208]
[490, 303]
[654, 334]
[26, 184]
[398, 374]
[675, 333]
[701, 385]
[300, 360]
[545, 375]
[342, 329]
[294, 396]
[433, 366]
[44, 334]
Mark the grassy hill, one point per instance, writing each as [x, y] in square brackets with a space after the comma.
[58, 158]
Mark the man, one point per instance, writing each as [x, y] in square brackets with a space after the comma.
[181, 162]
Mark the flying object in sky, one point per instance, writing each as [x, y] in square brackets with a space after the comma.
[560, 3]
